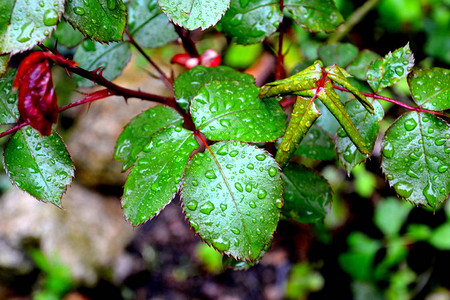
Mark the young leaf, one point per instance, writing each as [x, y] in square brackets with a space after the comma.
[390, 214]
[156, 177]
[226, 110]
[9, 112]
[389, 70]
[367, 125]
[113, 58]
[416, 158]
[4, 60]
[307, 194]
[26, 23]
[39, 165]
[137, 134]
[314, 15]
[360, 65]
[192, 14]
[101, 20]
[303, 116]
[440, 238]
[339, 54]
[148, 25]
[250, 22]
[317, 144]
[331, 100]
[67, 35]
[190, 82]
[430, 89]
[232, 197]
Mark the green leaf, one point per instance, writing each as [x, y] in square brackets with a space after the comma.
[9, 112]
[366, 124]
[440, 237]
[137, 134]
[314, 15]
[228, 110]
[190, 82]
[390, 214]
[331, 100]
[249, 22]
[339, 54]
[303, 116]
[101, 20]
[4, 60]
[39, 165]
[416, 158]
[232, 197]
[192, 14]
[156, 177]
[360, 64]
[430, 88]
[26, 23]
[317, 144]
[307, 194]
[326, 121]
[148, 25]
[67, 35]
[391, 69]
[112, 57]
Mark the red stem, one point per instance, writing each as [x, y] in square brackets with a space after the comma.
[418, 109]
[188, 44]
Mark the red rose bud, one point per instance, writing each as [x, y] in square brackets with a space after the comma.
[210, 58]
[37, 103]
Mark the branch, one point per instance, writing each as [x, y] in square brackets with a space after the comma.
[354, 19]
[188, 44]
[167, 81]
[417, 109]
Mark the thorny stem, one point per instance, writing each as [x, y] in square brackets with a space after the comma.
[188, 44]
[167, 81]
[354, 19]
[417, 109]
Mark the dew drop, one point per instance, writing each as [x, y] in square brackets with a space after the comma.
[79, 11]
[250, 166]
[410, 124]
[234, 153]
[223, 206]
[404, 189]
[194, 182]
[272, 171]
[207, 208]
[25, 33]
[429, 194]
[221, 244]
[156, 187]
[388, 150]
[248, 188]
[210, 174]
[279, 203]
[258, 231]
[111, 4]
[239, 187]
[260, 157]
[192, 205]
[413, 156]
[252, 204]
[223, 150]
[194, 225]
[399, 71]
[389, 176]
[440, 141]
[235, 230]
[411, 173]
[50, 17]
[442, 168]
[225, 123]
[348, 154]
[262, 194]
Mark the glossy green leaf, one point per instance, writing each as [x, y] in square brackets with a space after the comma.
[430, 89]
[303, 83]
[156, 176]
[4, 60]
[101, 20]
[233, 197]
[317, 144]
[249, 22]
[339, 54]
[190, 82]
[390, 214]
[137, 134]
[339, 76]
[9, 112]
[360, 64]
[326, 121]
[331, 100]
[416, 158]
[391, 69]
[26, 23]
[367, 125]
[307, 194]
[228, 110]
[148, 25]
[39, 165]
[303, 116]
[440, 237]
[192, 14]
[314, 15]
[113, 58]
[67, 35]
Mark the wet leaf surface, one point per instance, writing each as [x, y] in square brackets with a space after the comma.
[430, 89]
[339, 54]
[416, 158]
[317, 144]
[9, 112]
[360, 64]
[156, 177]
[39, 165]
[233, 197]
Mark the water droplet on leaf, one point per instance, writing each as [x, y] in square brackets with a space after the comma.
[210, 174]
[207, 208]
[192, 205]
[404, 189]
[410, 124]
[272, 171]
